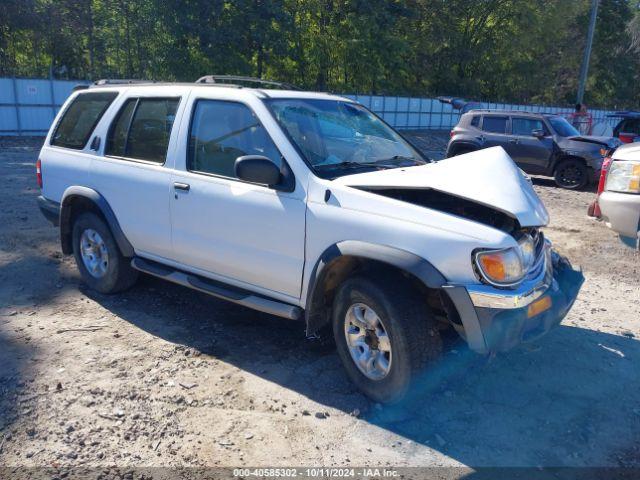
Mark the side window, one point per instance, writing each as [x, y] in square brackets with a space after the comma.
[142, 129]
[117, 139]
[79, 120]
[630, 126]
[494, 124]
[223, 131]
[524, 126]
[475, 121]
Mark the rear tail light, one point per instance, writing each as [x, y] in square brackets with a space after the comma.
[452, 133]
[626, 137]
[39, 172]
[594, 208]
[603, 174]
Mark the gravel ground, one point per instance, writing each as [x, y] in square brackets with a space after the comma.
[165, 376]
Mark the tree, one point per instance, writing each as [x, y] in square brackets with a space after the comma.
[503, 50]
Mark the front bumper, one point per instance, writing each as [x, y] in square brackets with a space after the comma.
[621, 212]
[496, 320]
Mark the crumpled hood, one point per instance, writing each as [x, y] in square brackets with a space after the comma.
[589, 142]
[488, 177]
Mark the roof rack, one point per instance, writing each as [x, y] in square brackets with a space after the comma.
[511, 111]
[120, 81]
[504, 110]
[228, 79]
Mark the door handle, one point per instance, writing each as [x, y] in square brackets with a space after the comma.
[513, 140]
[181, 186]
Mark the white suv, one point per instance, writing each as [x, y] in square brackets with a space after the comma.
[306, 206]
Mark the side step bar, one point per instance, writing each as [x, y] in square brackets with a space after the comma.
[218, 289]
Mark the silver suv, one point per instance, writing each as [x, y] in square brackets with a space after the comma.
[541, 144]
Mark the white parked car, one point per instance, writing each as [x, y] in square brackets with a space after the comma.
[306, 206]
[620, 201]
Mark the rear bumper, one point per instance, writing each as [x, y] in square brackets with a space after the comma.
[621, 212]
[50, 210]
[497, 320]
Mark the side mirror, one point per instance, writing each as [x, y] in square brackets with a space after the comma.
[257, 169]
[538, 133]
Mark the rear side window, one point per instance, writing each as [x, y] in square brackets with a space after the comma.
[116, 141]
[524, 126]
[79, 120]
[142, 129]
[494, 124]
[223, 131]
[475, 121]
[630, 126]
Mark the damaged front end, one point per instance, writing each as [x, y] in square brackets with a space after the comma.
[493, 318]
[497, 320]
[451, 204]
[538, 286]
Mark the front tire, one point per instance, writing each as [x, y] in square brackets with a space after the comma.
[571, 174]
[385, 336]
[101, 264]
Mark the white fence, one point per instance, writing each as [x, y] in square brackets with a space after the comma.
[430, 113]
[28, 107]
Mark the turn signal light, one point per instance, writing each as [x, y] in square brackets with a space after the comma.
[502, 267]
[493, 266]
[539, 306]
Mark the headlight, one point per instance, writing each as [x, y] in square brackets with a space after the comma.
[624, 176]
[527, 251]
[501, 267]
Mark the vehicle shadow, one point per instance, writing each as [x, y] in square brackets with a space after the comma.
[14, 374]
[568, 400]
[549, 182]
[22, 293]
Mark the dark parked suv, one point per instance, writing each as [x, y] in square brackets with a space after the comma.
[541, 144]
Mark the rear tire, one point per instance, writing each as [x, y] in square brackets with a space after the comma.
[397, 341]
[571, 174]
[101, 264]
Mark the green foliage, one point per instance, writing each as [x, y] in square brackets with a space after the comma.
[503, 50]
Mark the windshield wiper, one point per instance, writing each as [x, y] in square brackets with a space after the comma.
[404, 158]
[350, 164]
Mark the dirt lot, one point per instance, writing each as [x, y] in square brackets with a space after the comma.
[164, 376]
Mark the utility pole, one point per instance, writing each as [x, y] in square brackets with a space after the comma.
[587, 51]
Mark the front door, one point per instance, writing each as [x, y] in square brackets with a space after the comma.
[247, 234]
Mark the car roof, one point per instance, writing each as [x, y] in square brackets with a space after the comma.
[624, 114]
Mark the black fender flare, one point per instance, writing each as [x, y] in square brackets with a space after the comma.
[102, 205]
[396, 257]
[462, 144]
